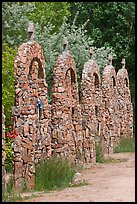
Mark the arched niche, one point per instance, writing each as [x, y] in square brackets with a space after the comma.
[113, 82]
[126, 82]
[125, 103]
[123, 80]
[70, 73]
[109, 79]
[96, 80]
[36, 64]
[71, 91]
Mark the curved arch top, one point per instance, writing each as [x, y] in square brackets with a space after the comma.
[65, 68]
[27, 53]
[122, 78]
[64, 62]
[90, 68]
[109, 78]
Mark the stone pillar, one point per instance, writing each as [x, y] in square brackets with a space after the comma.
[30, 118]
[91, 98]
[124, 102]
[3, 147]
[110, 131]
[66, 115]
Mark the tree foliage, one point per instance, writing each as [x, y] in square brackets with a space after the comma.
[15, 17]
[46, 13]
[15, 21]
[8, 57]
[105, 26]
[111, 23]
[79, 44]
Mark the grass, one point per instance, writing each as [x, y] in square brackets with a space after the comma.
[9, 193]
[113, 160]
[54, 173]
[125, 145]
[58, 173]
[81, 183]
[99, 153]
[51, 174]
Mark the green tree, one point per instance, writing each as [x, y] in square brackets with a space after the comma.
[15, 17]
[8, 57]
[46, 13]
[15, 21]
[110, 24]
[79, 44]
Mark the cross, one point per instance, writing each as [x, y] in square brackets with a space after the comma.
[31, 30]
[65, 43]
[91, 52]
[123, 63]
[110, 59]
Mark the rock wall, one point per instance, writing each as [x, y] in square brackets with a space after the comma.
[109, 108]
[91, 100]
[70, 126]
[125, 107]
[31, 119]
[66, 113]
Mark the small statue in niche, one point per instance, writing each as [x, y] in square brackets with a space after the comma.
[40, 108]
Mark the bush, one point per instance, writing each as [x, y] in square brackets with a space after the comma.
[9, 193]
[99, 153]
[126, 144]
[9, 156]
[53, 173]
[8, 57]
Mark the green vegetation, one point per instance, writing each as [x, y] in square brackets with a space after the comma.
[9, 193]
[8, 160]
[126, 145]
[110, 159]
[15, 17]
[80, 22]
[112, 24]
[8, 57]
[82, 183]
[99, 153]
[54, 173]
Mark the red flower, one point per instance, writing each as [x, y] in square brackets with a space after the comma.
[8, 134]
[13, 131]
[13, 134]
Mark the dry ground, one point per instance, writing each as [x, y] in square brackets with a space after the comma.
[108, 182]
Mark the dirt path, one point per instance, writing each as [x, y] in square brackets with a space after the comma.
[112, 182]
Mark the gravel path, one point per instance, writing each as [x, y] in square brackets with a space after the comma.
[108, 182]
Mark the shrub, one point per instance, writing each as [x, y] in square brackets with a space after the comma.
[9, 156]
[126, 144]
[99, 153]
[54, 173]
[8, 57]
[9, 193]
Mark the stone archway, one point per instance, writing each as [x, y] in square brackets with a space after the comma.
[110, 132]
[91, 108]
[30, 83]
[65, 107]
[124, 103]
